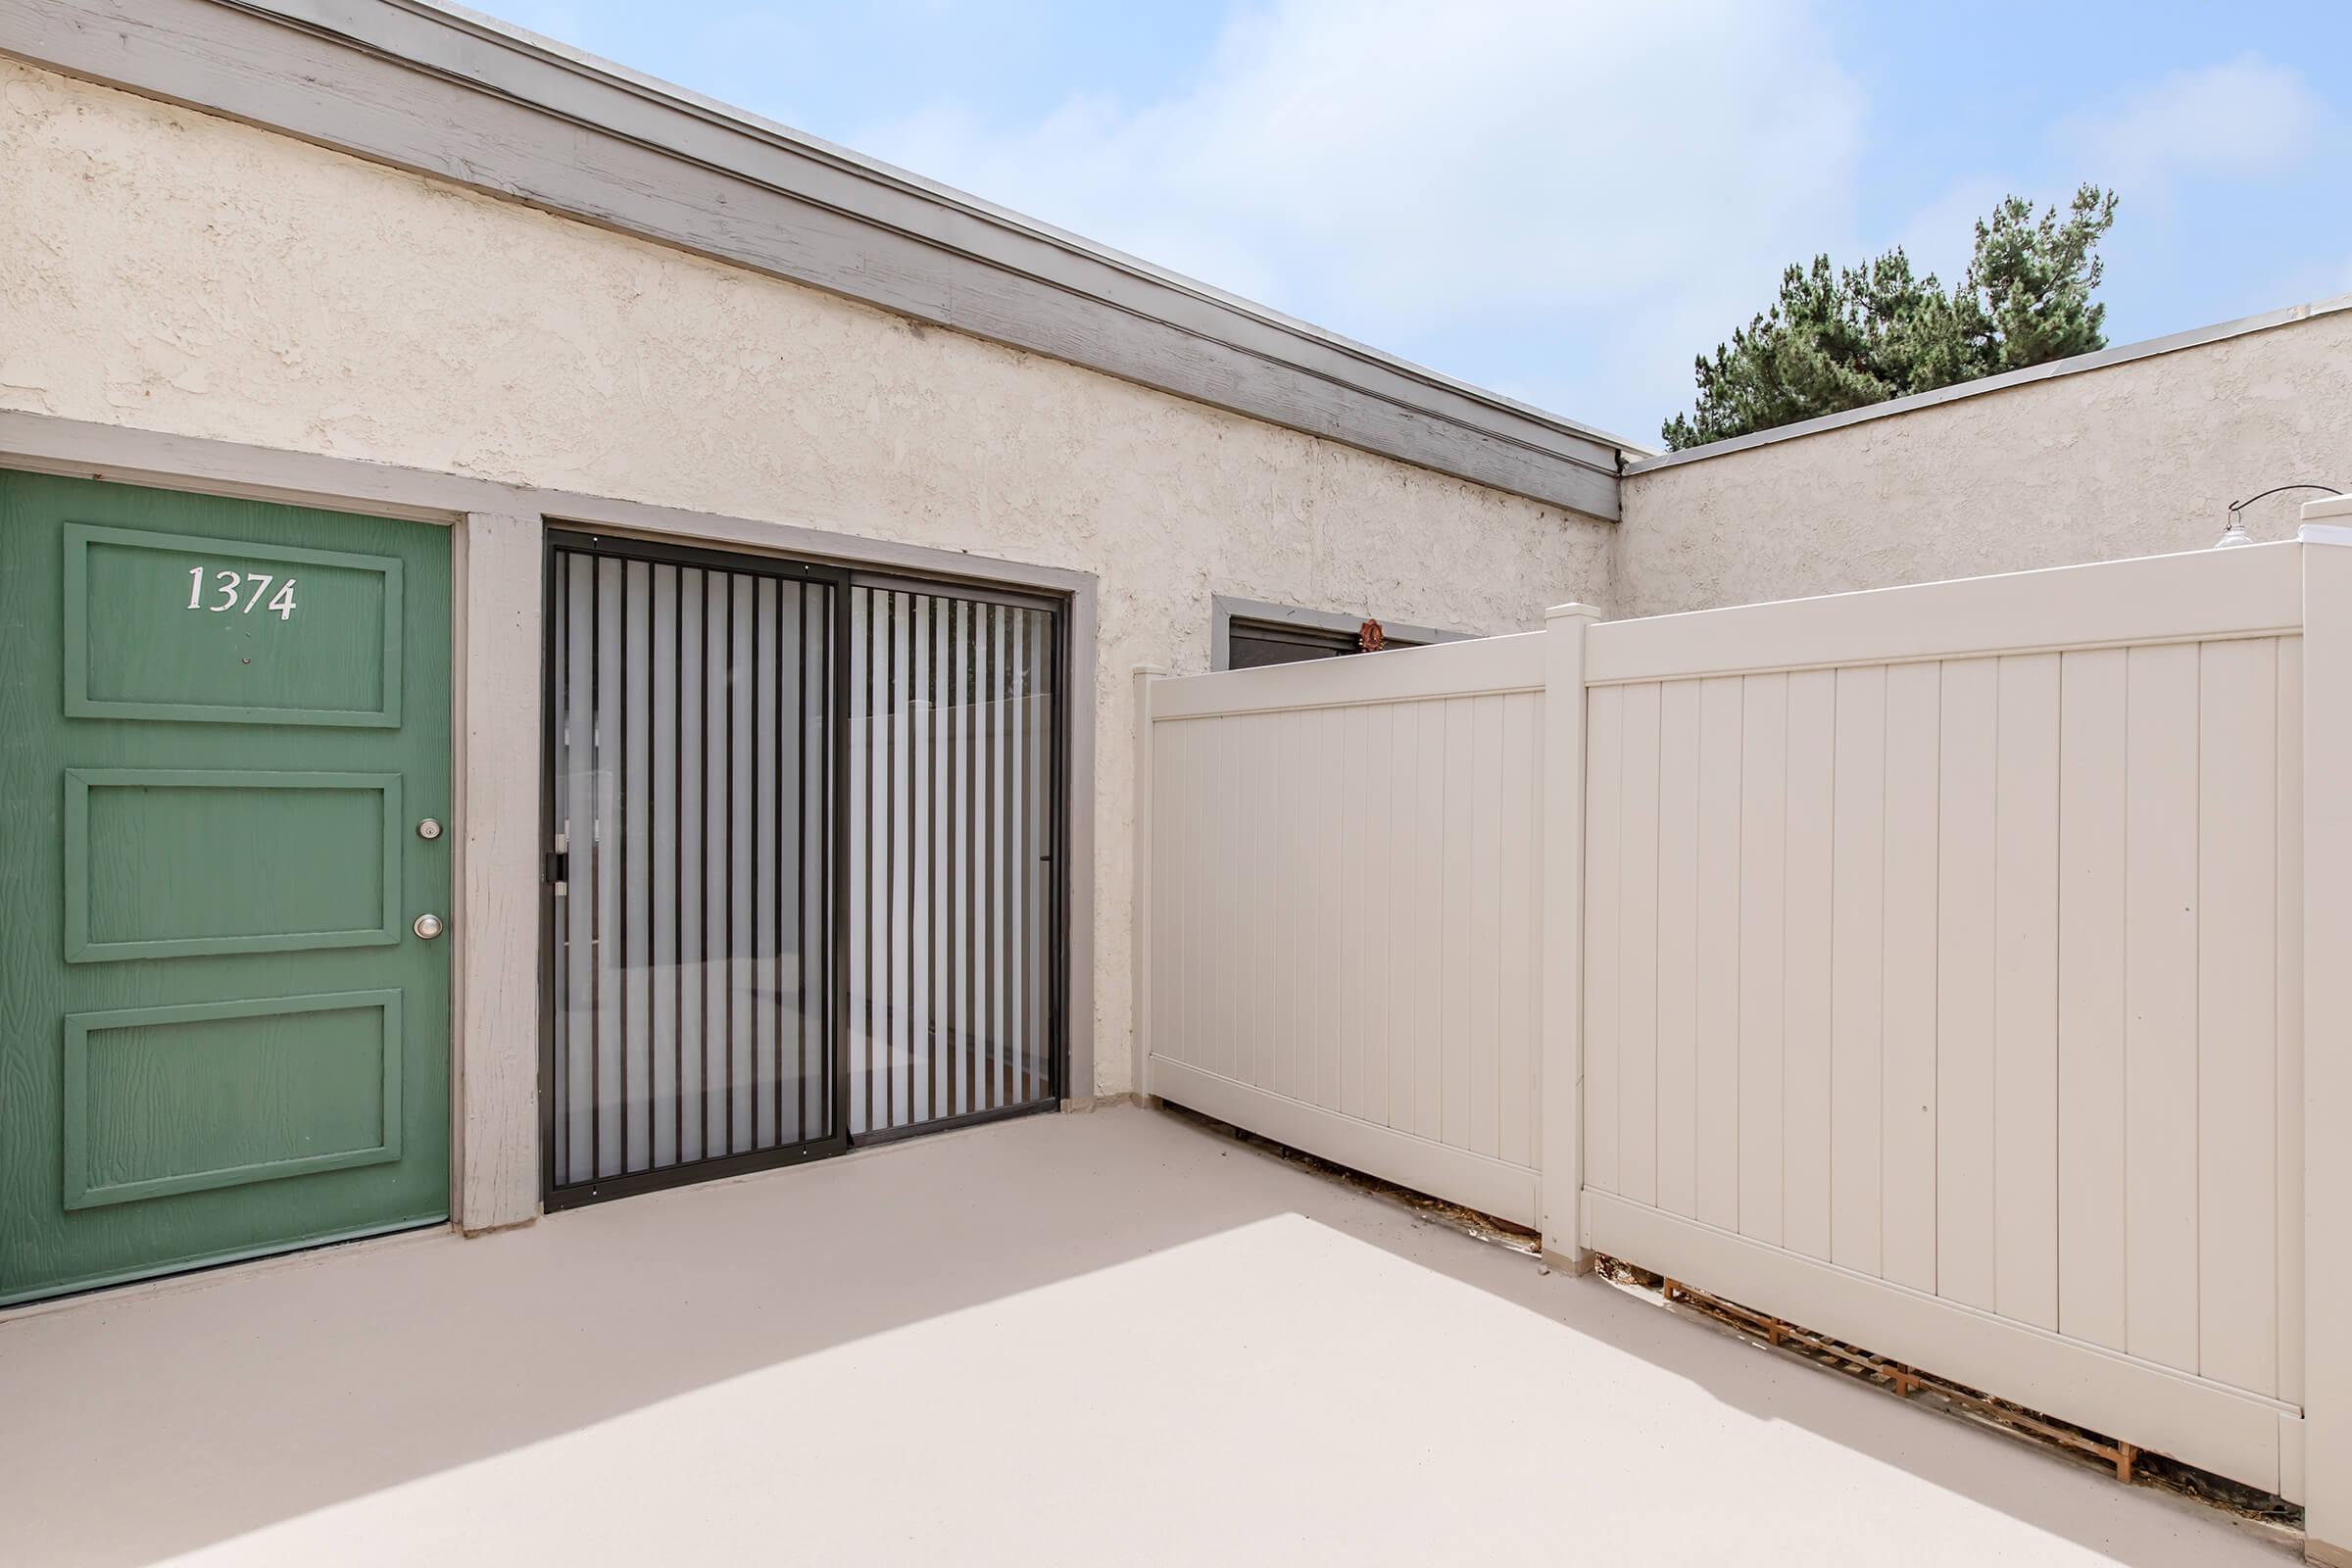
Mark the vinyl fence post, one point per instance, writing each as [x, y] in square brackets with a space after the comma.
[1140, 925]
[1563, 932]
[2327, 536]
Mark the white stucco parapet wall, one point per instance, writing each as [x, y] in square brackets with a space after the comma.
[180, 272]
[2137, 451]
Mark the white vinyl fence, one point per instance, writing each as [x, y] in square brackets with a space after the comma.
[1925, 966]
[1345, 910]
[1945, 1004]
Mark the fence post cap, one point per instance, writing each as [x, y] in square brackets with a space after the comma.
[1575, 610]
[2325, 533]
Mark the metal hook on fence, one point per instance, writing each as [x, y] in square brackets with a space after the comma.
[2236, 533]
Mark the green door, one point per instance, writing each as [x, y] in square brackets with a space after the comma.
[221, 723]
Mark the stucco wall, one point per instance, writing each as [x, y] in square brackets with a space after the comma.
[2134, 459]
[182, 272]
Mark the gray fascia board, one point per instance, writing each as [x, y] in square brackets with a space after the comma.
[459, 97]
[2098, 360]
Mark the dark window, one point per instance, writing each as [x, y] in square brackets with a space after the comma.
[1253, 644]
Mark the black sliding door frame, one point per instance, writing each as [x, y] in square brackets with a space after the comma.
[839, 862]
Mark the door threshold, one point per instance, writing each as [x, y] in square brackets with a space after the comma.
[948, 1124]
[172, 1279]
[863, 1149]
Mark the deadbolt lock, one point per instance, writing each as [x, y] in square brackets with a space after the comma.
[429, 829]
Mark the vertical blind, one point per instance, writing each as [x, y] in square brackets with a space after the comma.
[693, 791]
[950, 808]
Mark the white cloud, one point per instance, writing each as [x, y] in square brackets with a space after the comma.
[2246, 119]
[1577, 194]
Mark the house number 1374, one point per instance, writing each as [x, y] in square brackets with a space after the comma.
[228, 587]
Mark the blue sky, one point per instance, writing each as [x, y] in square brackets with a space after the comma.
[1566, 201]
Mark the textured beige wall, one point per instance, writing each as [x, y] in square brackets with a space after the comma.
[2136, 458]
[180, 272]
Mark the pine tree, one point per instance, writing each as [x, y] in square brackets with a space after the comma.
[1851, 337]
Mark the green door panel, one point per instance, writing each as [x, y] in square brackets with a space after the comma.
[233, 654]
[180, 1100]
[219, 1035]
[280, 862]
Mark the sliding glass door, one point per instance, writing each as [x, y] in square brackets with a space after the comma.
[803, 877]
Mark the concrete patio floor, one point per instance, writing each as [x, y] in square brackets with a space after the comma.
[1104, 1339]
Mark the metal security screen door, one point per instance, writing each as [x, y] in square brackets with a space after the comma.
[693, 872]
[772, 932]
[954, 787]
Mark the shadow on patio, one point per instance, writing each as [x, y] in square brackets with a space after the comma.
[1107, 1338]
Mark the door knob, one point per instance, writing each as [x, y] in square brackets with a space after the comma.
[428, 926]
